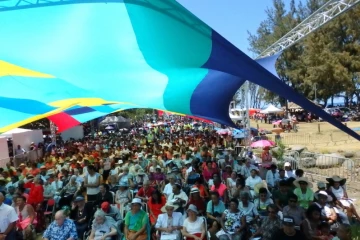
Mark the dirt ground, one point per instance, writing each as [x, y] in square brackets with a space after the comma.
[328, 140]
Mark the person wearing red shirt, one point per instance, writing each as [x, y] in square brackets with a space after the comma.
[197, 200]
[209, 170]
[145, 192]
[36, 198]
[155, 203]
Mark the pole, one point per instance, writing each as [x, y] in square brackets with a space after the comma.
[315, 89]
[53, 132]
[247, 116]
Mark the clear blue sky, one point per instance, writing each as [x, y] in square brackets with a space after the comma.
[231, 18]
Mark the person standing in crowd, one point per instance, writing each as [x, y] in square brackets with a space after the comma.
[60, 229]
[92, 183]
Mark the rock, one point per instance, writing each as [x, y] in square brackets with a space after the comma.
[329, 160]
[349, 154]
[298, 148]
[357, 154]
[307, 162]
[348, 164]
[356, 162]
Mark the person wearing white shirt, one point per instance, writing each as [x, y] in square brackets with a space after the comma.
[8, 218]
[288, 171]
[272, 176]
[169, 223]
[178, 197]
[245, 169]
[168, 189]
[57, 186]
[253, 180]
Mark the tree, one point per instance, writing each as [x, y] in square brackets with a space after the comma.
[328, 57]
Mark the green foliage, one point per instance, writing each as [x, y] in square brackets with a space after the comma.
[329, 57]
[136, 113]
[280, 150]
[39, 124]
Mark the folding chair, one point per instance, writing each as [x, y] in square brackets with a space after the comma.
[50, 204]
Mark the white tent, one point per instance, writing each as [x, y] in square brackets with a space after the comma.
[271, 109]
[10, 133]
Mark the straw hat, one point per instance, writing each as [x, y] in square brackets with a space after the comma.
[335, 178]
[169, 204]
[259, 185]
[302, 179]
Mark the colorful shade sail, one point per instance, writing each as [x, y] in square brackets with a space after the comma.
[64, 59]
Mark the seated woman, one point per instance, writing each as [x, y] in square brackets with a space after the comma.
[169, 223]
[136, 222]
[197, 200]
[68, 192]
[102, 228]
[311, 223]
[123, 197]
[249, 210]
[304, 192]
[270, 224]
[155, 203]
[231, 184]
[337, 187]
[81, 214]
[194, 226]
[26, 219]
[233, 222]
[262, 202]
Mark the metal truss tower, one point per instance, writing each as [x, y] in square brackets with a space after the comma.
[320, 17]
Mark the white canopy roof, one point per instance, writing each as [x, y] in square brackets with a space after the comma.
[9, 134]
[271, 109]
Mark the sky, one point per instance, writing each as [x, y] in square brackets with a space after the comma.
[231, 18]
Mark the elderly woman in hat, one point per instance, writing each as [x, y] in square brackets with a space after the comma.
[193, 226]
[103, 227]
[337, 187]
[123, 196]
[169, 223]
[136, 222]
[304, 192]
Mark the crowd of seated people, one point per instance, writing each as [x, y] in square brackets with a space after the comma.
[153, 188]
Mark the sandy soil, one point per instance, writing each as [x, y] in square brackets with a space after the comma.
[329, 139]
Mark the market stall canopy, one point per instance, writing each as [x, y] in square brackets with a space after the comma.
[271, 109]
[151, 54]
